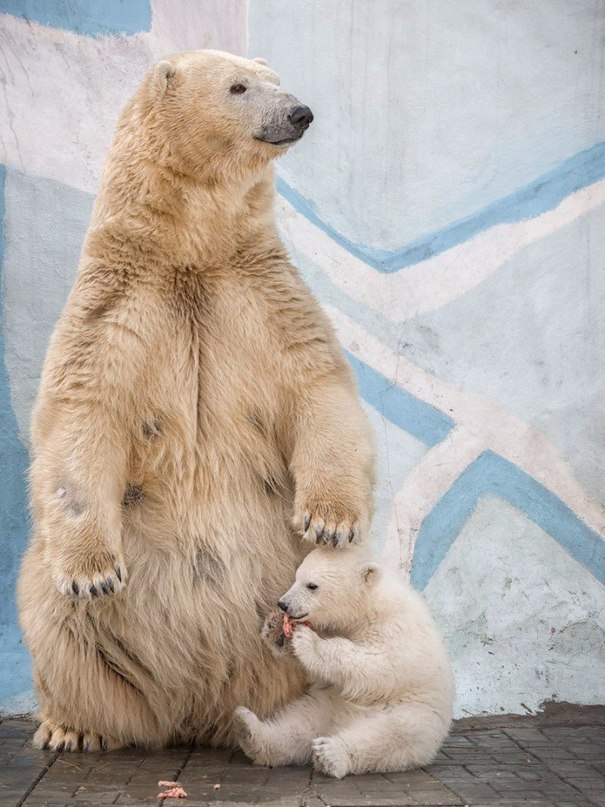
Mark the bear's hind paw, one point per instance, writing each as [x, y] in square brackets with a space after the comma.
[53, 737]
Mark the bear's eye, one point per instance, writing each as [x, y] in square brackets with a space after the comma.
[311, 586]
[237, 89]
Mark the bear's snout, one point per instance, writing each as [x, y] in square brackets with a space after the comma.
[301, 116]
[288, 122]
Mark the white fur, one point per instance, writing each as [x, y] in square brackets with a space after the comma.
[381, 684]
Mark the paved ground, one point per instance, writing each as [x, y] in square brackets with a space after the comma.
[528, 762]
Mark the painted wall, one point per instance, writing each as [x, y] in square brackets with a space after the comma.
[448, 209]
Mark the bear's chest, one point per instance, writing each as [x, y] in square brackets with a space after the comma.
[217, 369]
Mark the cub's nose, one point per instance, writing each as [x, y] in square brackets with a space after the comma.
[301, 116]
[283, 605]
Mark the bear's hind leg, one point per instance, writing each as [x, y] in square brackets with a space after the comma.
[93, 691]
[285, 738]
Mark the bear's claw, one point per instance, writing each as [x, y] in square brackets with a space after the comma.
[52, 737]
[101, 576]
[329, 532]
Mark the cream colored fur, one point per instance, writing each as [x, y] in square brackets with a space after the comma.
[382, 687]
[195, 418]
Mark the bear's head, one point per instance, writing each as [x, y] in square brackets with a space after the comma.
[212, 109]
[334, 588]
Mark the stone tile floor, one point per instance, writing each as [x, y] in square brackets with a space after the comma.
[509, 762]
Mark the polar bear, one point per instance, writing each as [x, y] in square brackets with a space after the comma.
[197, 428]
[381, 684]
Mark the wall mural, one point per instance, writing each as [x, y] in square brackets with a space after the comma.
[448, 209]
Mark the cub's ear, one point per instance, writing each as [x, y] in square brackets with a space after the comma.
[260, 60]
[370, 572]
[164, 71]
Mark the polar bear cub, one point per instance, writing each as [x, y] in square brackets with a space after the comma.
[381, 687]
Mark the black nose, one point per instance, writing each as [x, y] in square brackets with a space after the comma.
[301, 116]
[283, 605]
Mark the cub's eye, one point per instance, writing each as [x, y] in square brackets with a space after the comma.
[237, 89]
[311, 586]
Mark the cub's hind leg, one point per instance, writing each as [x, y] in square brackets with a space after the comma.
[286, 738]
[395, 738]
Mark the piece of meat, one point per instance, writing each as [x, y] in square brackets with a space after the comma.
[172, 790]
[287, 627]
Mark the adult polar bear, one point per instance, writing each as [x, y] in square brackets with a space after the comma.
[195, 417]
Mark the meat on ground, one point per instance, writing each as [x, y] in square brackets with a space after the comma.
[172, 790]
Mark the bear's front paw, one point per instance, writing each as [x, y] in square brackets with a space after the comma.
[272, 633]
[96, 574]
[329, 524]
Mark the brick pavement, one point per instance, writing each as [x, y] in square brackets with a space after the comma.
[511, 763]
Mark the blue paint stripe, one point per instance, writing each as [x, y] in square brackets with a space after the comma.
[87, 17]
[541, 195]
[492, 474]
[14, 522]
[421, 420]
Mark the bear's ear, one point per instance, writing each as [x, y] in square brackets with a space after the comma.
[370, 572]
[164, 71]
[260, 60]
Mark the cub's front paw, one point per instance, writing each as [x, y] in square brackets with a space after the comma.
[97, 574]
[329, 523]
[272, 633]
[304, 643]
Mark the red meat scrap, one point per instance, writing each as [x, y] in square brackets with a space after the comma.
[172, 790]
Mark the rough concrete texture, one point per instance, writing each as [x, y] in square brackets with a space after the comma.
[506, 764]
[448, 208]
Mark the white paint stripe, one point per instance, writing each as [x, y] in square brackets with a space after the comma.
[430, 479]
[62, 96]
[433, 283]
[481, 424]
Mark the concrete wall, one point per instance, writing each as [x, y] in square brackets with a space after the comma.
[448, 209]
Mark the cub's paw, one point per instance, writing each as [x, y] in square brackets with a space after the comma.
[304, 643]
[330, 757]
[54, 737]
[98, 574]
[245, 723]
[329, 524]
[272, 634]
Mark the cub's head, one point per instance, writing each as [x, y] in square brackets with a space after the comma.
[217, 108]
[333, 588]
